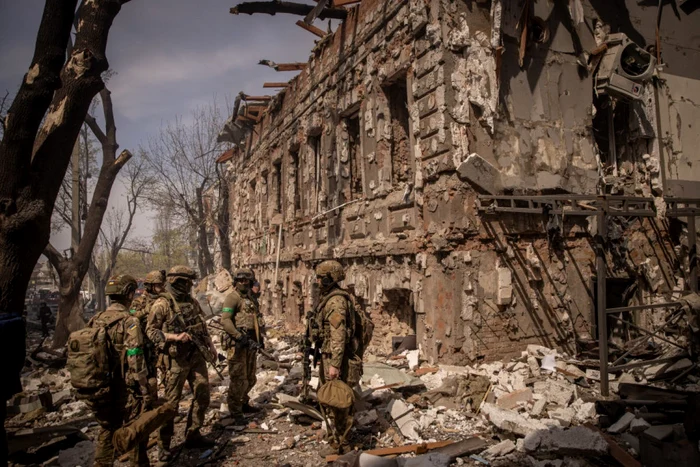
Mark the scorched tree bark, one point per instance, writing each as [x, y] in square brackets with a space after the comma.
[34, 156]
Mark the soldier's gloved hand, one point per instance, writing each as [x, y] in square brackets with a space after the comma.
[242, 341]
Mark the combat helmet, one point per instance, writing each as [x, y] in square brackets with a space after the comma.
[121, 284]
[181, 272]
[244, 274]
[155, 277]
[330, 268]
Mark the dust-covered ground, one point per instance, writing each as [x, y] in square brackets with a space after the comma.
[528, 411]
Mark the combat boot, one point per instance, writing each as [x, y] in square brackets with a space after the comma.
[329, 450]
[164, 457]
[195, 440]
[247, 408]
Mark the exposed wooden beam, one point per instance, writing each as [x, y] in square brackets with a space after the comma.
[257, 98]
[313, 14]
[243, 118]
[345, 2]
[312, 29]
[275, 85]
[292, 8]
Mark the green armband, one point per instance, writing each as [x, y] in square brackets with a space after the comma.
[132, 311]
[134, 351]
[227, 310]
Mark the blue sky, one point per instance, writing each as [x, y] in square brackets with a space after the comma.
[170, 56]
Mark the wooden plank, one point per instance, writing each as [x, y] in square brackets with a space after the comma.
[275, 85]
[257, 98]
[312, 29]
[344, 2]
[414, 448]
[291, 66]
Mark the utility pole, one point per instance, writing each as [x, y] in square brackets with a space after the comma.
[75, 198]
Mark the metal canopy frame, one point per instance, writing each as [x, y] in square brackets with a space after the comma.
[603, 206]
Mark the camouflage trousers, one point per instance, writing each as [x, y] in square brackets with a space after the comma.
[340, 419]
[194, 371]
[241, 370]
[111, 413]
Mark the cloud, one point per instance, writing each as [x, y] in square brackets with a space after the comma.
[148, 79]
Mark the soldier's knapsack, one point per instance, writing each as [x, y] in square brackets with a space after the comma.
[91, 354]
[362, 327]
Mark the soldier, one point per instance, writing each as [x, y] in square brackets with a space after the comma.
[140, 307]
[243, 323]
[341, 345]
[126, 394]
[44, 316]
[176, 326]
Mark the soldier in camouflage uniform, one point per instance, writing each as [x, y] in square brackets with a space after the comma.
[336, 323]
[244, 326]
[174, 320]
[140, 307]
[128, 396]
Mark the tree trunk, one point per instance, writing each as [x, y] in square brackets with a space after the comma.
[33, 160]
[223, 221]
[207, 264]
[70, 314]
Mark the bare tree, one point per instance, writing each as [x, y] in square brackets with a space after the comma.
[117, 229]
[221, 220]
[62, 215]
[41, 128]
[183, 156]
[72, 270]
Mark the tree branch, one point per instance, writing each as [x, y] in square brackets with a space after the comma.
[96, 130]
[54, 257]
[81, 79]
[274, 7]
[34, 96]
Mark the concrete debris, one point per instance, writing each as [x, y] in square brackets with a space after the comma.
[413, 359]
[513, 399]
[538, 407]
[639, 425]
[562, 415]
[389, 375]
[622, 424]
[510, 421]
[576, 441]
[556, 392]
[499, 450]
[432, 459]
[402, 414]
[366, 418]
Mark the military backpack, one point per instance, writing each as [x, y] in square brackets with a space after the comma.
[91, 354]
[360, 328]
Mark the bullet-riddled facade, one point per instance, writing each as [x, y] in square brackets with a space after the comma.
[377, 152]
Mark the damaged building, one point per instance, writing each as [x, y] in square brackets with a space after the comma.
[475, 166]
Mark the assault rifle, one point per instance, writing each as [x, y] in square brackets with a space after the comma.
[200, 346]
[312, 353]
[251, 344]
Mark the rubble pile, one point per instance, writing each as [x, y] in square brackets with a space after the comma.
[541, 408]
